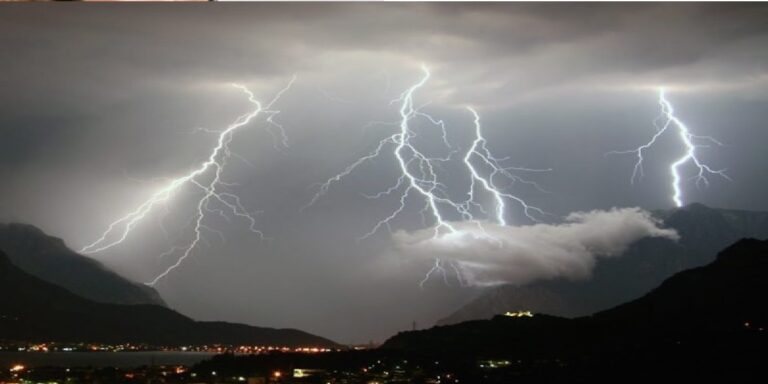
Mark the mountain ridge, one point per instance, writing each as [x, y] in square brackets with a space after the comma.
[32, 309]
[705, 324]
[48, 258]
[725, 296]
[704, 231]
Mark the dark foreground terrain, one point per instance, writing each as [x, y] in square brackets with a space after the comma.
[704, 231]
[33, 310]
[707, 323]
[49, 259]
[704, 324]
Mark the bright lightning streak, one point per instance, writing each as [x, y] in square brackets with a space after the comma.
[689, 156]
[427, 184]
[437, 268]
[480, 150]
[419, 177]
[207, 178]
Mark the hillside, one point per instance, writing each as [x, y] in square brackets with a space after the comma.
[34, 310]
[709, 322]
[706, 324]
[729, 294]
[726, 295]
[48, 258]
[703, 230]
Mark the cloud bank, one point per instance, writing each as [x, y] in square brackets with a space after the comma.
[520, 254]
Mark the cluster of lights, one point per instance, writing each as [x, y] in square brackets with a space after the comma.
[492, 364]
[395, 371]
[79, 347]
[37, 348]
[16, 368]
[127, 347]
[248, 349]
[519, 314]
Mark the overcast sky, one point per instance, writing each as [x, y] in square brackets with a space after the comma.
[100, 104]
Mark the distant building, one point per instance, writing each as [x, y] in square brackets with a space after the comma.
[519, 314]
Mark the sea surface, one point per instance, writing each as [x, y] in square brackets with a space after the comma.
[100, 359]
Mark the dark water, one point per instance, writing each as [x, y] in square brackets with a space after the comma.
[100, 359]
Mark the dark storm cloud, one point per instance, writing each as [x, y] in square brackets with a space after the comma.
[93, 97]
[163, 44]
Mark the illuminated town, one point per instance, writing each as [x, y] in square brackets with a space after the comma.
[377, 372]
[216, 349]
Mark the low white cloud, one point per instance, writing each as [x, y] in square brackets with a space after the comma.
[497, 254]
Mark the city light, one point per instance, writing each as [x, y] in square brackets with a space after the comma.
[519, 314]
[18, 368]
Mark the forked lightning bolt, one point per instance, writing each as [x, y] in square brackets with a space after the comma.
[480, 151]
[419, 176]
[207, 178]
[689, 156]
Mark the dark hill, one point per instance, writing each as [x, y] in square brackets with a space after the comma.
[704, 231]
[706, 324]
[541, 335]
[48, 258]
[692, 328]
[34, 310]
[729, 294]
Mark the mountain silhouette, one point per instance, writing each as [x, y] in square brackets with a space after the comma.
[729, 294]
[726, 295]
[48, 258]
[703, 231]
[35, 310]
[707, 323]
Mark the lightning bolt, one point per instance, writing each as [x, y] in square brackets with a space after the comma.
[480, 150]
[207, 178]
[419, 177]
[672, 122]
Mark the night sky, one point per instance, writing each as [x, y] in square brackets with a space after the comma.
[101, 104]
